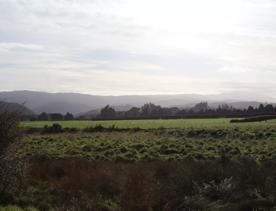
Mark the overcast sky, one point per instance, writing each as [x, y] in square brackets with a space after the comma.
[115, 47]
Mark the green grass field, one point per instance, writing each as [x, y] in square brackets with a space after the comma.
[146, 124]
[150, 145]
[168, 139]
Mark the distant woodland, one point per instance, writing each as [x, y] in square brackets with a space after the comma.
[152, 111]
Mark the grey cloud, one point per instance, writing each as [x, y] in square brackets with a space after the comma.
[67, 40]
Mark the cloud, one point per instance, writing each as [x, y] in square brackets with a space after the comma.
[100, 82]
[19, 47]
[134, 47]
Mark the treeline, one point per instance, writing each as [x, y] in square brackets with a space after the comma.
[152, 111]
[54, 116]
[200, 110]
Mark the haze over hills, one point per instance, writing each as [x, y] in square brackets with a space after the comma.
[80, 103]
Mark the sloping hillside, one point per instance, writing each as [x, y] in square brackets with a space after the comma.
[24, 111]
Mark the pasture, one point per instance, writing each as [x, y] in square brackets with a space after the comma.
[151, 145]
[180, 139]
[156, 123]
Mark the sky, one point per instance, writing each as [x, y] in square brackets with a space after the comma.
[123, 47]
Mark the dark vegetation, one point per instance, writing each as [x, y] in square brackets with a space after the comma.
[80, 184]
[152, 111]
[254, 119]
[9, 129]
[55, 116]
[200, 110]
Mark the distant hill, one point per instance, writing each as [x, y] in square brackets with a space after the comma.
[81, 103]
[15, 107]
[54, 102]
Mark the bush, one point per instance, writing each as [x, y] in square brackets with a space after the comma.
[254, 119]
[55, 128]
[97, 128]
[80, 184]
[9, 129]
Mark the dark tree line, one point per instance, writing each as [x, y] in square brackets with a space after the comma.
[54, 116]
[200, 110]
[152, 111]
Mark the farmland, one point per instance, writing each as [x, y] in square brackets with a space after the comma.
[191, 164]
[145, 124]
[153, 144]
[196, 139]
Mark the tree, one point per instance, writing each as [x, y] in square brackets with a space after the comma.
[108, 112]
[43, 116]
[9, 129]
[133, 112]
[269, 108]
[251, 109]
[68, 116]
[151, 110]
[170, 112]
[56, 116]
[225, 107]
[201, 107]
[261, 108]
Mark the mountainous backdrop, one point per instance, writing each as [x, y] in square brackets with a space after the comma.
[81, 103]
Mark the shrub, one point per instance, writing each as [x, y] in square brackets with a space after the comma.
[80, 184]
[97, 128]
[254, 119]
[55, 128]
[215, 190]
[9, 129]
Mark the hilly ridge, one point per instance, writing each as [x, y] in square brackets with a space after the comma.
[80, 103]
